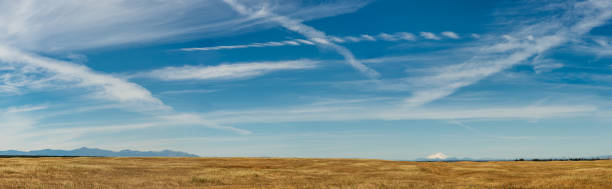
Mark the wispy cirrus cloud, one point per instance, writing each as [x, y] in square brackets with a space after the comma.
[450, 34]
[400, 36]
[66, 25]
[22, 131]
[160, 121]
[599, 46]
[103, 86]
[525, 42]
[187, 91]
[33, 25]
[311, 33]
[348, 112]
[296, 42]
[397, 36]
[429, 35]
[29, 27]
[447, 34]
[15, 122]
[225, 71]
[25, 109]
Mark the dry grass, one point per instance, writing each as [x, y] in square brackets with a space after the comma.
[296, 173]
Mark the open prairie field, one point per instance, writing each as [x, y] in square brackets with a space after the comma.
[86, 172]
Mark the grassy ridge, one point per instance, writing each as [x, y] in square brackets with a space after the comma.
[95, 172]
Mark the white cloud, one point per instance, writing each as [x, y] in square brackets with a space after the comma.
[368, 37]
[336, 39]
[496, 56]
[104, 86]
[167, 120]
[226, 71]
[59, 25]
[15, 122]
[450, 34]
[65, 25]
[194, 119]
[189, 91]
[22, 128]
[541, 65]
[292, 43]
[305, 41]
[331, 39]
[25, 109]
[386, 111]
[599, 46]
[21, 133]
[439, 156]
[66, 74]
[309, 32]
[397, 36]
[429, 35]
[352, 39]
[387, 37]
[14, 116]
[406, 36]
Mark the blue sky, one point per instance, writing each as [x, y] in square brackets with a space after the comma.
[354, 79]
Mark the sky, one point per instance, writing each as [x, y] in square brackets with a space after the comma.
[396, 80]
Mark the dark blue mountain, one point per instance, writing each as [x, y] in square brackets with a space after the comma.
[97, 152]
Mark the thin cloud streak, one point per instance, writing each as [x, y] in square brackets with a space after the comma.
[67, 25]
[450, 34]
[429, 35]
[104, 86]
[599, 46]
[25, 109]
[400, 36]
[353, 113]
[21, 130]
[522, 44]
[189, 91]
[309, 32]
[225, 71]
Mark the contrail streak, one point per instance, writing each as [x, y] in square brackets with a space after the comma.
[309, 32]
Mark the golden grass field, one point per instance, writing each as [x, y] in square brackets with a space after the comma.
[86, 172]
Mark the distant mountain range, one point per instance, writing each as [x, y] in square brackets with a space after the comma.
[97, 152]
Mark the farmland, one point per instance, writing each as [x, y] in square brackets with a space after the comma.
[98, 172]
